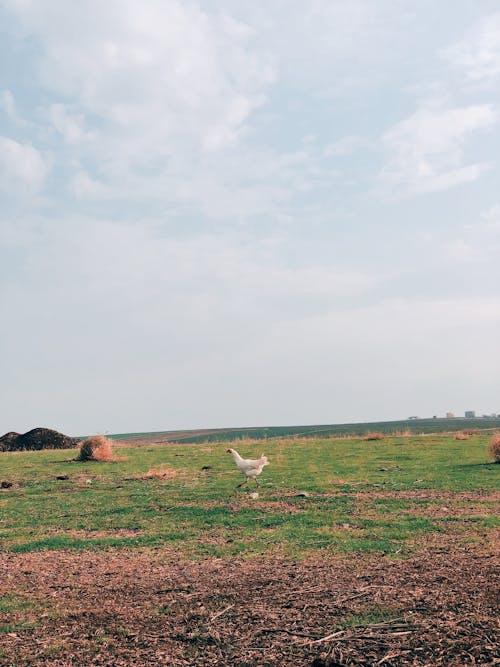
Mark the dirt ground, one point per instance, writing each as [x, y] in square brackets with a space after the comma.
[116, 608]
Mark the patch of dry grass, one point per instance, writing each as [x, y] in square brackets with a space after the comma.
[164, 471]
[494, 447]
[373, 435]
[96, 448]
[460, 435]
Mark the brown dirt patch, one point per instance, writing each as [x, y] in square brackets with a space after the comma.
[433, 495]
[438, 608]
[245, 502]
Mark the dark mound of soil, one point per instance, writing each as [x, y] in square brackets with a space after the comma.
[37, 438]
[7, 440]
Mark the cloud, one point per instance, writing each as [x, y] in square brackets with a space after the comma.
[69, 125]
[426, 150]
[21, 166]
[156, 71]
[491, 218]
[477, 56]
[152, 101]
[84, 186]
[229, 262]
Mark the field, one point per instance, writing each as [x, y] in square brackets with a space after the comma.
[355, 553]
[415, 426]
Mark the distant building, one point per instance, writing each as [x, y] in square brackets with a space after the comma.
[470, 414]
[450, 415]
[413, 417]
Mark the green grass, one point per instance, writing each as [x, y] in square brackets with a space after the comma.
[426, 425]
[15, 613]
[355, 497]
[372, 615]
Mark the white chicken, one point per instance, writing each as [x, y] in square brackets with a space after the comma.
[249, 467]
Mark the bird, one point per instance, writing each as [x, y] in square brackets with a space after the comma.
[249, 467]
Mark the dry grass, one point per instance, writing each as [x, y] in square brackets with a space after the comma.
[460, 435]
[163, 471]
[494, 447]
[373, 435]
[96, 448]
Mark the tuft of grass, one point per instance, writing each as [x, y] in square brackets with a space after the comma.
[494, 447]
[374, 615]
[96, 448]
[16, 627]
[373, 435]
[13, 603]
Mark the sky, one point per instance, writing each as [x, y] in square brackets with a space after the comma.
[241, 213]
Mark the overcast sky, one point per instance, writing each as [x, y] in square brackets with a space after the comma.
[241, 213]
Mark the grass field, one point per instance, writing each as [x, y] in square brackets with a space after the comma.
[355, 553]
[361, 496]
[415, 426]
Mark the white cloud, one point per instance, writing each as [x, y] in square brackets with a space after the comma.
[158, 98]
[491, 218]
[21, 166]
[84, 186]
[69, 125]
[156, 71]
[478, 54]
[426, 150]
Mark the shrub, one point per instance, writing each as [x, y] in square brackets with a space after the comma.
[373, 435]
[461, 436]
[96, 448]
[494, 447]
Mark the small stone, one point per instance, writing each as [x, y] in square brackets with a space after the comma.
[254, 495]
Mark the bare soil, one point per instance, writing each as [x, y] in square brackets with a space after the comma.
[117, 608]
